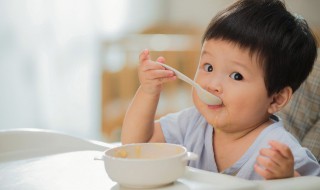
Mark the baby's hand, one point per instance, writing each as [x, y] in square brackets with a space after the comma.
[276, 162]
[152, 75]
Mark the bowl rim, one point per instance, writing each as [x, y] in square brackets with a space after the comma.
[145, 159]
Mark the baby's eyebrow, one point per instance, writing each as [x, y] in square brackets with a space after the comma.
[240, 64]
[204, 53]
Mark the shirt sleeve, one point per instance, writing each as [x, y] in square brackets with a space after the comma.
[306, 164]
[174, 125]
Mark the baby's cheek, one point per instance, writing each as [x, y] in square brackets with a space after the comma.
[196, 75]
[195, 97]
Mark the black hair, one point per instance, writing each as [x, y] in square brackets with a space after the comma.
[284, 44]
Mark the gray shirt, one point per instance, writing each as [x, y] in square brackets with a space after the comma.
[190, 129]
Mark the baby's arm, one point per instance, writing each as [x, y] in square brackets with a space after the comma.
[138, 125]
[275, 162]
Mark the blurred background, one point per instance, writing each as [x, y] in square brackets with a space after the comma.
[70, 65]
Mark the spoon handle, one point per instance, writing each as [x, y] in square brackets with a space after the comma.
[179, 74]
[204, 95]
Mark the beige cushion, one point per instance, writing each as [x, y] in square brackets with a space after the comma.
[301, 115]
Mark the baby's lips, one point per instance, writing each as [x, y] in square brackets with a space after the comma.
[215, 106]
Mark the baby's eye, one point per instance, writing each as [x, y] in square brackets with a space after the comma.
[236, 76]
[207, 67]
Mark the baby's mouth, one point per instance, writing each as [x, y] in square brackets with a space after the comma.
[216, 106]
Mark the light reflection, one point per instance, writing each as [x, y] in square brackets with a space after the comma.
[113, 15]
[114, 59]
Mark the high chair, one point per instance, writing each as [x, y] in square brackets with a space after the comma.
[16, 144]
[301, 116]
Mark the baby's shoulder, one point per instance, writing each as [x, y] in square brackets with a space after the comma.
[192, 114]
[187, 118]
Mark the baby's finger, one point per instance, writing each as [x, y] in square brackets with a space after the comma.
[150, 65]
[167, 79]
[274, 155]
[153, 66]
[158, 74]
[161, 59]
[266, 174]
[158, 81]
[144, 55]
[268, 164]
[282, 148]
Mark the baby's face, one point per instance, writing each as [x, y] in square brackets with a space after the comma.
[233, 75]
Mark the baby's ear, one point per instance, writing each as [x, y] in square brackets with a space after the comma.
[280, 99]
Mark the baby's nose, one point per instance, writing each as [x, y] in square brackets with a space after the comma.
[214, 85]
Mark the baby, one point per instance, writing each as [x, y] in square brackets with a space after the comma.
[254, 56]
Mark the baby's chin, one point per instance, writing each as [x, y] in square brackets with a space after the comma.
[214, 122]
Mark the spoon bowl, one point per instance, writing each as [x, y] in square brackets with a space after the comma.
[203, 94]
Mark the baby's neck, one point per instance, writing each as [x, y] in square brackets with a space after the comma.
[250, 133]
[229, 147]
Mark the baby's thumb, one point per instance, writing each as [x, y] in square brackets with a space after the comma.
[144, 55]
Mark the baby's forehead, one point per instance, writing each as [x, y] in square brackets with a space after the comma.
[254, 54]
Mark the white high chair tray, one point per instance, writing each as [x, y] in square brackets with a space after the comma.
[65, 162]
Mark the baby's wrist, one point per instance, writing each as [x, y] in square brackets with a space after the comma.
[149, 92]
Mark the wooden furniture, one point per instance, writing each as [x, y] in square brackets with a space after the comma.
[179, 45]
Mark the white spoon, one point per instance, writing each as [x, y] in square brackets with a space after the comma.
[204, 95]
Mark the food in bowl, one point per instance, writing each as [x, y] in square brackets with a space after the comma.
[146, 165]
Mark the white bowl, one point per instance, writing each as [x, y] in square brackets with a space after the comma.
[146, 165]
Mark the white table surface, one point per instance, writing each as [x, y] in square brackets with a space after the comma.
[78, 170]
